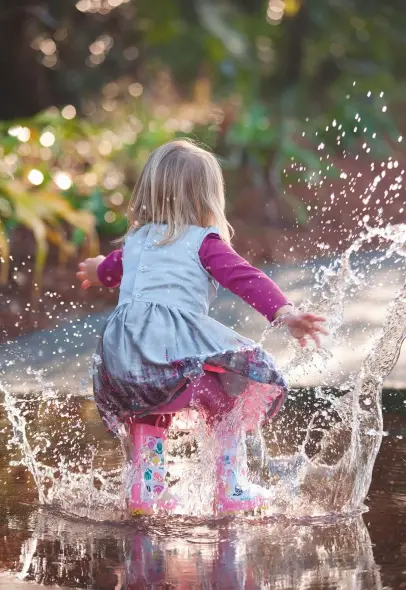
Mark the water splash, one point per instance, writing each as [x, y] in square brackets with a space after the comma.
[337, 477]
[281, 554]
[62, 459]
[319, 468]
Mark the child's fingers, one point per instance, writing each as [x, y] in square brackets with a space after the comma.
[86, 284]
[305, 326]
[312, 317]
[320, 330]
[82, 265]
[315, 337]
[310, 326]
[81, 275]
[315, 327]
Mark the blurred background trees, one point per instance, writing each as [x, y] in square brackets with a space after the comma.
[58, 53]
[89, 87]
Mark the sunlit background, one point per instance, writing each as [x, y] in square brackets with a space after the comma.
[302, 101]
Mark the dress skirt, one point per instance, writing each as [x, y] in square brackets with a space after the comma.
[149, 353]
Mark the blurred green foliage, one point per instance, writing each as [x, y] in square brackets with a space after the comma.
[267, 84]
[68, 179]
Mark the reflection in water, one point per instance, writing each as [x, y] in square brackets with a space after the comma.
[233, 556]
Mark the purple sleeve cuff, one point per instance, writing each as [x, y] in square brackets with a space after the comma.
[234, 273]
[110, 271]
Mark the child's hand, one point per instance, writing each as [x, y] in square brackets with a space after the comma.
[303, 325]
[87, 272]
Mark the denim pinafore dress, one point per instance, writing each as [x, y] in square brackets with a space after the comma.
[160, 336]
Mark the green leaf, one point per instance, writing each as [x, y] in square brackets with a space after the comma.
[78, 237]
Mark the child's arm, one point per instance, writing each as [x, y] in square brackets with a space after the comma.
[107, 271]
[234, 273]
[253, 286]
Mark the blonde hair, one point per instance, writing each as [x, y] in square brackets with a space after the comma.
[180, 185]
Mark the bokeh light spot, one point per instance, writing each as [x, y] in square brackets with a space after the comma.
[47, 139]
[62, 180]
[22, 133]
[117, 199]
[48, 46]
[35, 177]
[135, 89]
[69, 112]
[110, 216]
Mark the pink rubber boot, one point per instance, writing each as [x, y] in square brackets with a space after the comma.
[234, 492]
[149, 491]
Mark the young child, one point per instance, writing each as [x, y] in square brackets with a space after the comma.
[160, 352]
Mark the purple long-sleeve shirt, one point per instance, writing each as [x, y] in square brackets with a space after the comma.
[228, 268]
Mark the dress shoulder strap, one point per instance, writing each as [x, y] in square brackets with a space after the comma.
[203, 233]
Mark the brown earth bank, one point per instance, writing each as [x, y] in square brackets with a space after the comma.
[338, 211]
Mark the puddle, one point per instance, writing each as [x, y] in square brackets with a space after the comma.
[360, 551]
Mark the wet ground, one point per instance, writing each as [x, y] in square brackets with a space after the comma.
[364, 551]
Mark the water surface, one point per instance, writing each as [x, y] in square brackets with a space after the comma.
[361, 551]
